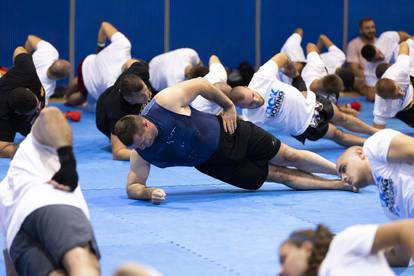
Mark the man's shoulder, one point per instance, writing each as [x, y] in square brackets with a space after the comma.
[355, 41]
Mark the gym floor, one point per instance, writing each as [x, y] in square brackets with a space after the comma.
[206, 227]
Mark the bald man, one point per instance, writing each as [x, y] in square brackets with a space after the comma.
[49, 67]
[386, 160]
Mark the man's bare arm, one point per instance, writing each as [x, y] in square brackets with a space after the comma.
[7, 149]
[393, 234]
[119, 150]
[213, 59]
[401, 149]
[106, 31]
[136, 183]
[404, 48]
[31, 43]
[403, 36]
[19, 50]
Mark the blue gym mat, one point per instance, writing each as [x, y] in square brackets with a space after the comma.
[206, 227]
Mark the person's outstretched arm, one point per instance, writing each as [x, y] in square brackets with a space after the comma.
[136, 183]
[324, 41]
[31, 43]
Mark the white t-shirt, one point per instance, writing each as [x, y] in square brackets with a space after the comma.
[410, 43]
[387, 108]
[333, 59]
[217, 73]
[168, 69]
[395, 181]
[387, 43]
[43, 57]
[101, 70]
[24, 189]
[350, 254]
[285, 107]
[293, 49]
[314, 69]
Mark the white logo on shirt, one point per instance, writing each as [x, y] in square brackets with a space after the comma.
[387, 194]
[274, 103]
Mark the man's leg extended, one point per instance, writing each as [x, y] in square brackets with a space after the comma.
[300, 180]
[302, 159]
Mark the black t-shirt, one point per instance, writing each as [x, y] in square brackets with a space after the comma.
[111, 106]
[22, 74]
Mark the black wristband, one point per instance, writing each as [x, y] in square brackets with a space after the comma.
[65, 154]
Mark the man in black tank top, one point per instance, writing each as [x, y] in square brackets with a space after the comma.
[242, 155]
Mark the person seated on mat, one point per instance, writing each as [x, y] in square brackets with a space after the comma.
[130, 93]
[386, 160]
[385, 49]
[21, 98]
[43, 213]
[175, 66]
[97, 72]
[304, 115]
[394, 96]
[169, 132]
[357, 250]
[49, 67]
[356, 61]
[322, 73]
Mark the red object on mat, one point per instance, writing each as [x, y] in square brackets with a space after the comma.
[73, 115]
[356, 106]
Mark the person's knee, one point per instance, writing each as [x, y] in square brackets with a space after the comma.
[337, 134]
[81, 258]
[291, 156]
[49, 113]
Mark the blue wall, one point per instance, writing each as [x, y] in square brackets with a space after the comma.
[46, 19]
[226, 28]
[280, 19]
[142, 21]
[388, 15]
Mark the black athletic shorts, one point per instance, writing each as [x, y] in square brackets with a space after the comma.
[46, 235]
[242, 159]
[407, 115]
[412, 80]
[322, 119]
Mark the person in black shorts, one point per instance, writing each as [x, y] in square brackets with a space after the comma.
[169, 132]
[302, 114]
[128, 95]
[21, 98]
[43, 213]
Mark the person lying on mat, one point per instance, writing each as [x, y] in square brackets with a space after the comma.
[130, 93]
[394, 95]
[43, 213]
[357, 250]
[386, 160]
[49, 67]
[304, 115]
[21, 98]
[169, 132]
[97, 72]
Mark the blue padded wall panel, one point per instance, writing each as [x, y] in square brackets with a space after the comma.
[46, 19]
[225, 28]
[388, 15]
[140, 20]
[281, 18]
